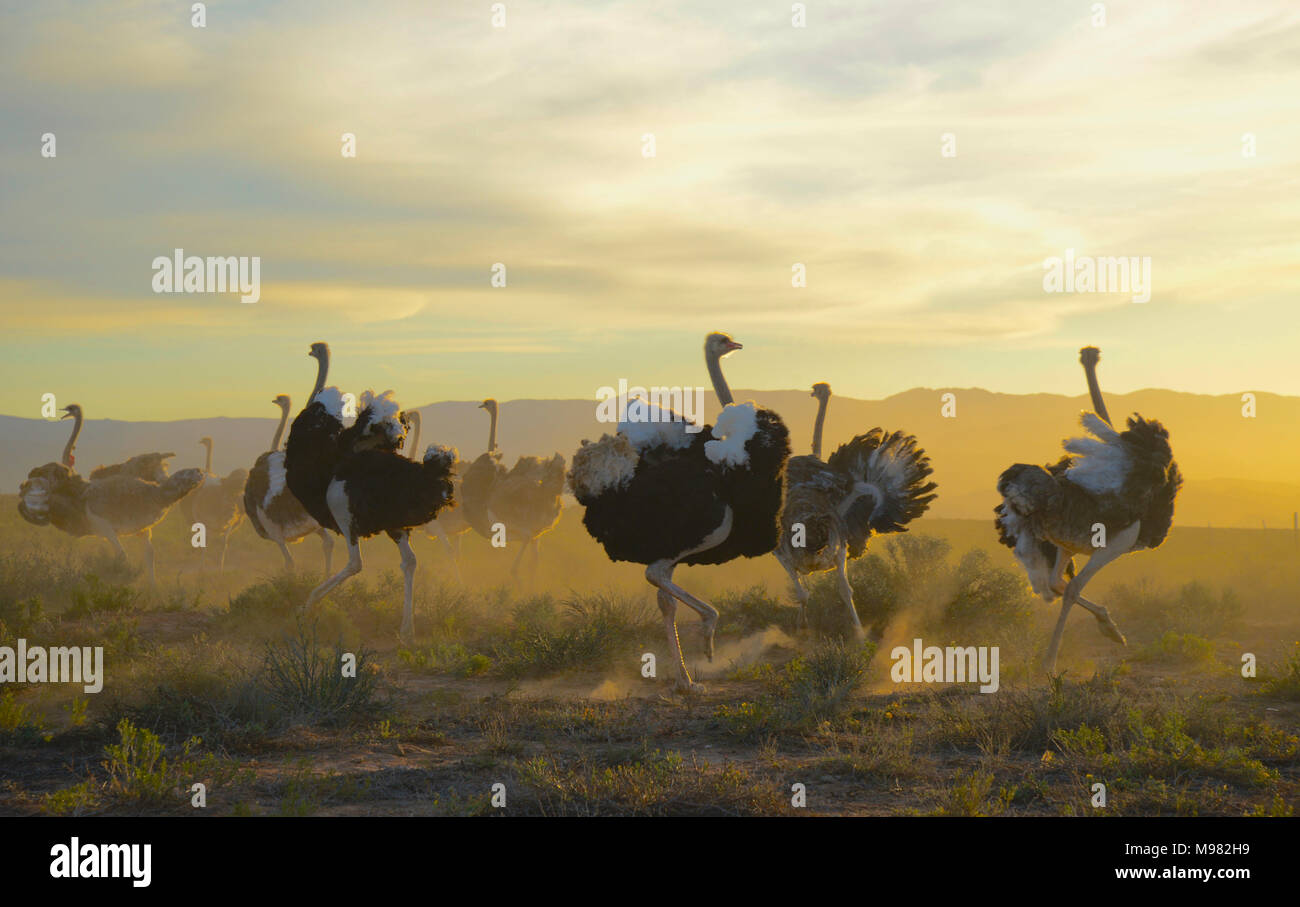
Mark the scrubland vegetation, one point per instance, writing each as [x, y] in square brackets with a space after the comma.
[218, 680]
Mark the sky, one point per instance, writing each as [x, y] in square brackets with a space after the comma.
[774, 145]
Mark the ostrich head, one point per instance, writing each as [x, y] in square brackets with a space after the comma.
[206, 442]
[1089, 356]
[490, 405]
[320, 350]
[718, 344]
[71, 411]
[821, 390]
[282, 401]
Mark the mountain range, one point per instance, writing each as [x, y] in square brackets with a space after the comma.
[1241, 471]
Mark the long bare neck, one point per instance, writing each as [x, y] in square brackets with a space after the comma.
[719, 380]
[322, 370]
[413, 445]
[279, 429]
[817, 427]
[1094, 391]
[207, 463]
[492, 432]
[72, 439]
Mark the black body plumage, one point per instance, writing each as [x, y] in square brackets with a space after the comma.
[677, 497]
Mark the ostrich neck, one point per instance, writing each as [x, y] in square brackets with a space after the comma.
[414, 447]
[72, 439]
[492, 432]
[322, 369]
[279, 430]
[207, 462]
[719, 381]
[817, 427]
[1094, 391]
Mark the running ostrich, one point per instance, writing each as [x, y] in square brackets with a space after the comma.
[112, 506]
[216, 505]
[274, 513]
[661, 494]
[875, 483]
[525, 499]
[354, 482]
[450, 523]
[1124, 481]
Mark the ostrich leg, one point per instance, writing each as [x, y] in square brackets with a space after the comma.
[668, 605]
[148, 556]
[351, 568]
[288, 558]
[451, 553]
[408, 571]
[514, 568]
[846, 590]
[1118, 545]
[327, 546]
[800, 592]
[225, 543]
[663, 578]
[537, 558]
[1104, 622]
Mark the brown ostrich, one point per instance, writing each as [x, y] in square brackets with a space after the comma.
[216, 504]
[524, 499]
[874, 484]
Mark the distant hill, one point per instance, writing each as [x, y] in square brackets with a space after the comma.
[1240, 472]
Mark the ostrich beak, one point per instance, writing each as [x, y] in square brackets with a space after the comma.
[732, 346]
[67, 413]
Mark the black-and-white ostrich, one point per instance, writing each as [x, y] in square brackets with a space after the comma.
[353, 481]
[1124, 482]
[273, 511]
[660, 495]
[875, 483]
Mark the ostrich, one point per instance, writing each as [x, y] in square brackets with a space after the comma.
[450, 523]
[274, 513]
[216, 504]
[123, 499]
[71, 411]
[112, 506]
[1124, 481]
[875, 483]
[149, 467]
[525, 499]
[661, 495]
[354, 482]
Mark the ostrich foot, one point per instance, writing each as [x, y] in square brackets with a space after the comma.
[707, 629]
[1109, 629]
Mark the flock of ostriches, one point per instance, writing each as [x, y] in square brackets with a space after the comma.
[658, 492]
